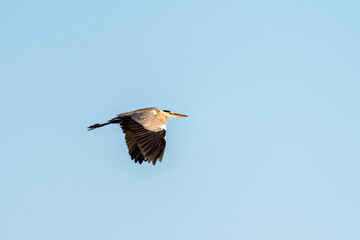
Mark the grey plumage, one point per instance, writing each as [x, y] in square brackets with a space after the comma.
[145, 132]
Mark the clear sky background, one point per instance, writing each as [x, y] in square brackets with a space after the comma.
[271, 149]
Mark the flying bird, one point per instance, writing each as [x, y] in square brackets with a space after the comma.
[145, 131]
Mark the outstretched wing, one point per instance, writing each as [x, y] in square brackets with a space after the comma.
[144, 143]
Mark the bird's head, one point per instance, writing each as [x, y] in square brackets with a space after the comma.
[168, 114]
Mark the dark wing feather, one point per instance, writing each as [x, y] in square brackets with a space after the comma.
[134, 150]
[143, 144]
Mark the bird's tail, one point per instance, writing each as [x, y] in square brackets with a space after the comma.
[97, 125]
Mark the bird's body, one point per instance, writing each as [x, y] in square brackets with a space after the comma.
[145, 131]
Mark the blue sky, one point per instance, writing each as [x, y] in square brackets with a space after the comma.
[271, 149]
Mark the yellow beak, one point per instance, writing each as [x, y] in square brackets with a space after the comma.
[178, 115]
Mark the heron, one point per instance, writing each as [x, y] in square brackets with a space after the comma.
[145, 131]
